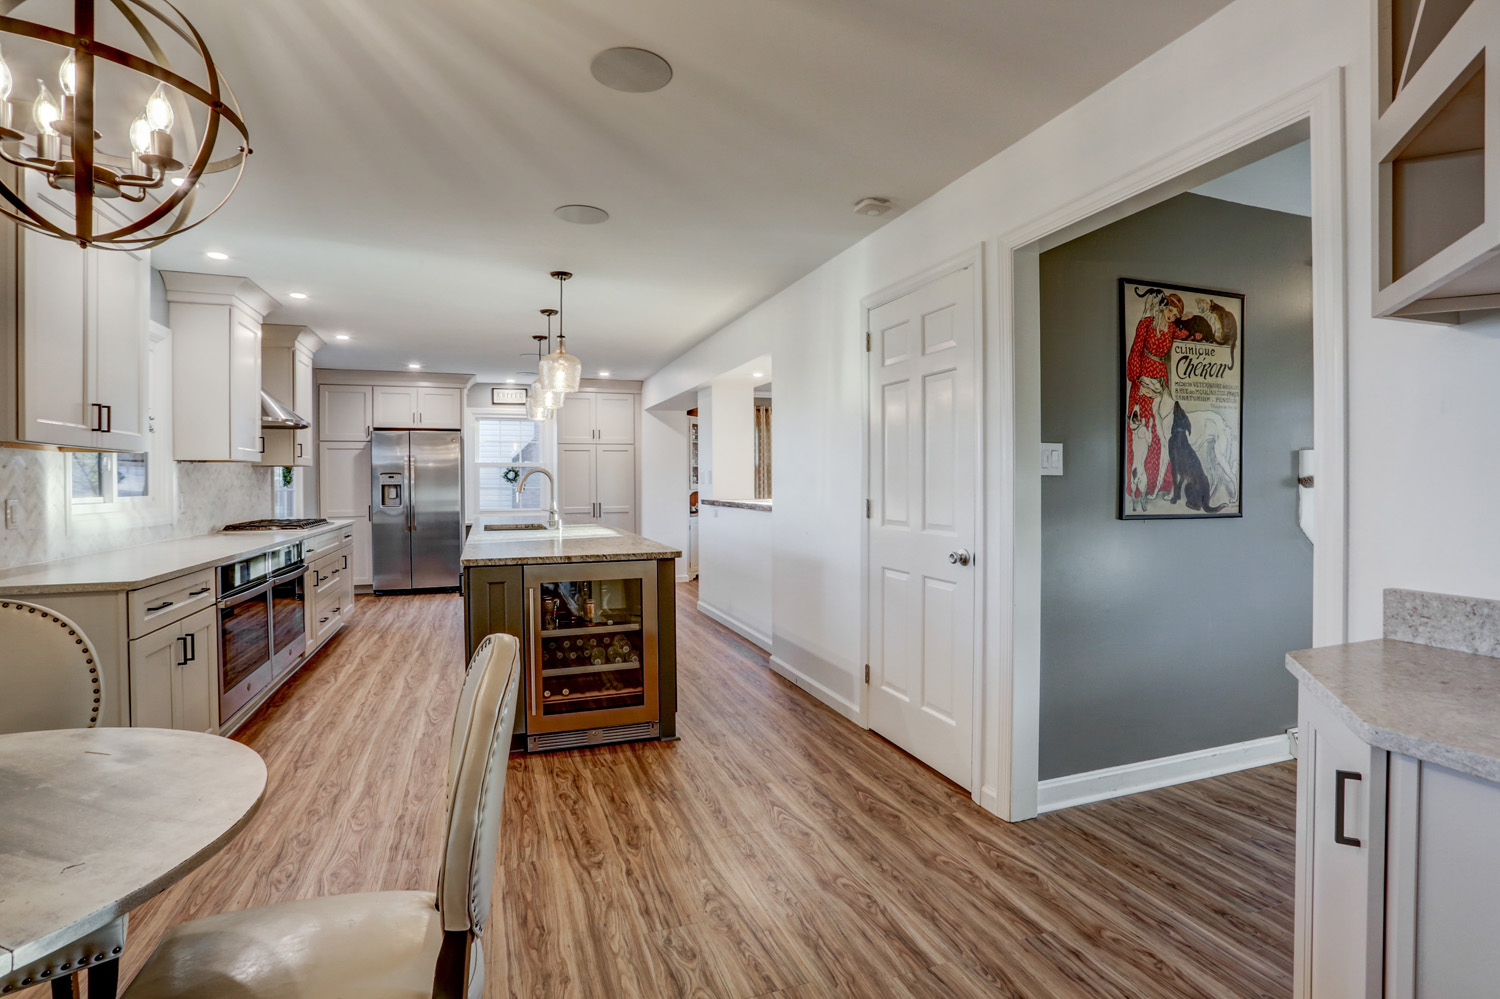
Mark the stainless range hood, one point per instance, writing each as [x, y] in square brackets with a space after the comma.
[275, 413]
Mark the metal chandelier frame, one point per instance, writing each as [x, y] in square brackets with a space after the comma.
[86, 169]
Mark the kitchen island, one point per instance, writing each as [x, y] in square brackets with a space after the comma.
[595, 610]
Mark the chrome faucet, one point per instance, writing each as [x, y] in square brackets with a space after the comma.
[554, 516]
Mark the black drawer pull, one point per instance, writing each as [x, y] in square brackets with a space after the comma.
[161, 606]
[199, 593]
[322, 620]
[1340, 779]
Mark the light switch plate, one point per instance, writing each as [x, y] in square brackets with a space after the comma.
[12, 514]
[1052, 459]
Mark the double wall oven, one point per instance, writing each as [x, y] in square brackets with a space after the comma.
[262, 623]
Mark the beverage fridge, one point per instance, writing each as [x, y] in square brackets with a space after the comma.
[416, 517]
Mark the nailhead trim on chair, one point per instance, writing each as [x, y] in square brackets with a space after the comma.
[88, 658]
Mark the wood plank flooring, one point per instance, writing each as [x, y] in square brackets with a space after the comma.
[776, 850]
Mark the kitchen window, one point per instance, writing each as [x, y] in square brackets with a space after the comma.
[506, 448]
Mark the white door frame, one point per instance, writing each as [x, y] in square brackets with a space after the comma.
[973, 259]
[1013, 471]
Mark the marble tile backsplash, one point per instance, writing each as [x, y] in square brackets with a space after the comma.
[209, 495]
[1464, 624]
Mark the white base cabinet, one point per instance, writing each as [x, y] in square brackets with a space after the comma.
[174, 675]
[1398, 891]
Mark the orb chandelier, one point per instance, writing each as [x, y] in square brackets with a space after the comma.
[541, 404]
[560, 370]
[135, 163]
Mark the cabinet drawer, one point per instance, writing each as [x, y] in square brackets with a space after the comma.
[321, 544]
[160, 604]
[329, 609]
[331, 569]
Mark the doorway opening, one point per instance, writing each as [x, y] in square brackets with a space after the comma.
[1014, 612]
[1176, 404]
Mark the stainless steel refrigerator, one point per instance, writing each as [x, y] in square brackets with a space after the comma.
[416, 516]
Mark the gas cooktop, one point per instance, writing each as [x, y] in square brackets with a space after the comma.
[286, 524]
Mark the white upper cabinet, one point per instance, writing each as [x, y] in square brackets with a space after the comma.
[286, 372]
[1437, 222]
[440, 408]
[120, 306]
[419, 407]
[395, 406]
[344, 413]
[216, 360]
[77, 339]
[597, 418]
[53, 343]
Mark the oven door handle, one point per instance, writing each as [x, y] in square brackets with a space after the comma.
[235, 599]
[286, 575]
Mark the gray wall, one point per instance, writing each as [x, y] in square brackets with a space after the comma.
[1164, 637]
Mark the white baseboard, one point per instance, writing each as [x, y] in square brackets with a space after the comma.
[735, 625]
[845, 707]
[1113, 782]
[989, 799]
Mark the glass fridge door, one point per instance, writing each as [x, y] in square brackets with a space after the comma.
[593, 657]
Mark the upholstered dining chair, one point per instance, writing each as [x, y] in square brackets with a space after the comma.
[381, 945]
[52, 680]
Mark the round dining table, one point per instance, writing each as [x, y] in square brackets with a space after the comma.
[94, 822]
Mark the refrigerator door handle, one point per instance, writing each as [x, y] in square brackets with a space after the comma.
[410, 482]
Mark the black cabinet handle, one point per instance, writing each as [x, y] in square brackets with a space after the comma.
[262, 444]
[183, 640]
[299, 449]
[1340, 780]
[199, 593]
[109, 419]
[192, 646]
[322, 620]
[161, 606]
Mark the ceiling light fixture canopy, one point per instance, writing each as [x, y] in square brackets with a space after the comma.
[560, 371]
[65, 149]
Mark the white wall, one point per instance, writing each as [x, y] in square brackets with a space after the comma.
[732, 455]
[1421, 399]
[664, 481]
[734, 569]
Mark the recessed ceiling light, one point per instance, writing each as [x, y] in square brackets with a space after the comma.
[341, 336]
[581, 214]
[631, 70]
[756, 374]
[604, 374]
[178, 181]
[296, 294]
[413, 365]
[216, 255]
[510, 381]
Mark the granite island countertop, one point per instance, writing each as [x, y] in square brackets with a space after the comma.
[575, 543]
[142, 565]
[1434, 704]
[739, 504]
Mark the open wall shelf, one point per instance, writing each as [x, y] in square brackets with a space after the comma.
[1435, 147]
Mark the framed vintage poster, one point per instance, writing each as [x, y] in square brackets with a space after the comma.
[1181, 423]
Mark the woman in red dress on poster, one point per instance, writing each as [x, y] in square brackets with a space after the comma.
[1146, 371]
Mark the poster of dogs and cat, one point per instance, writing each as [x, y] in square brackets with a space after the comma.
[1183, 350]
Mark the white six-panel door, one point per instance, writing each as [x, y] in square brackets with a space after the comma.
[923, 460]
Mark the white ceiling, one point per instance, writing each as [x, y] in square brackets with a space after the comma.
[408, 156]
[1281, 182]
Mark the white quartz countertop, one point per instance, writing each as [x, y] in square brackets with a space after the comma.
[576, 543]
[1429, 703]
[142, 565]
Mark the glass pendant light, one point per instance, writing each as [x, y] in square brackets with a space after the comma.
[560, 370]
[540, 403]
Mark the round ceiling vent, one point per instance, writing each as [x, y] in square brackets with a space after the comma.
[631, 70]
[581, 214]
